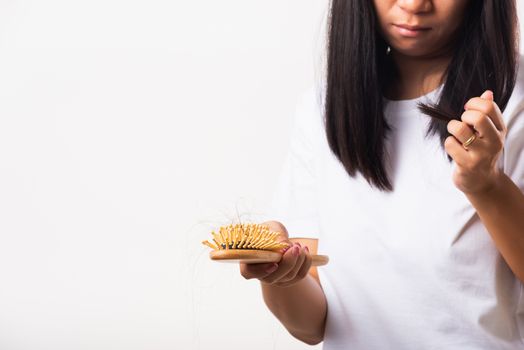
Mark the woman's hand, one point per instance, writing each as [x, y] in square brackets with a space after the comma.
[476, 144]
[293, 266]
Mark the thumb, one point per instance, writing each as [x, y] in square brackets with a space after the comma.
[487, 95]
[249, 271]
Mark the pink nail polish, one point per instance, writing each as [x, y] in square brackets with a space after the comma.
[296, 251]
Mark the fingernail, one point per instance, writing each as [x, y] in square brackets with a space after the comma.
[272, 268]
[299, 244]
[296, 251]
[487, 94]
[307, 249]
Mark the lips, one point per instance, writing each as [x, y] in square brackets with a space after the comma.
[410, 31]
[412, 28]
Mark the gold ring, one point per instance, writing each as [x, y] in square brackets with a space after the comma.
[469, 141]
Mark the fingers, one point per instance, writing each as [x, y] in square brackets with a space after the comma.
[293, 266]
[286, 265]
[481, 123]
[298, 264]
[479, 120]
[460, 130]
[294, 261]
[455, 149]
[249, 271]
[488, 107]
[302, 271]
[487, 95]
[476, 142]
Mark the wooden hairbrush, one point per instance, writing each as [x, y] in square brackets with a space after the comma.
[252, 244]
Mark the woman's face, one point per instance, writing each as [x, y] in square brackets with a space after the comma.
[419, 27]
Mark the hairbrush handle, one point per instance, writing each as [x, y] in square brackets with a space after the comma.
[255, 256]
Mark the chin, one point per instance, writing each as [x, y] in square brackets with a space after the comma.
[412, 50]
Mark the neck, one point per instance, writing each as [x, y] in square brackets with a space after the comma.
[417, 76]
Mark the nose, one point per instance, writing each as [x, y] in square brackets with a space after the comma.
[415, 6]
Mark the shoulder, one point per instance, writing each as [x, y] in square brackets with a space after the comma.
[513, 159]
[515, 106]
[309, 112]
[312, 99]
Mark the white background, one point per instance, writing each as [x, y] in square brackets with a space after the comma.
[129, 130]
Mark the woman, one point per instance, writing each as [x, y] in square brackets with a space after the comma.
[409, 168]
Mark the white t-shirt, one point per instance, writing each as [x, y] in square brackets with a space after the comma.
[410, 269]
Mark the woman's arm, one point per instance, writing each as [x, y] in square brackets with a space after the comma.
[498, 200]
[291, 290]
[501, 209]
[301, 308]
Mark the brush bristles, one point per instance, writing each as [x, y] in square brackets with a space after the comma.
[245, 236]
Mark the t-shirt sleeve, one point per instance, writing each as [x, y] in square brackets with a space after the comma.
[514, 147]
[294, 201]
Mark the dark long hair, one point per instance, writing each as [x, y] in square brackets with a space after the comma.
[359, 68]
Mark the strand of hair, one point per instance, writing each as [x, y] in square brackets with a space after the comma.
[435, 112]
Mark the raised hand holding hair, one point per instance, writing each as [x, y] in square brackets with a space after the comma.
[476, 144]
